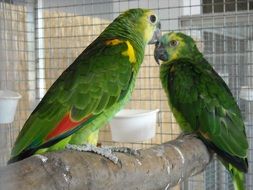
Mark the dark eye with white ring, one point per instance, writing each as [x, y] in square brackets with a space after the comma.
[152, 18]
[173, 43]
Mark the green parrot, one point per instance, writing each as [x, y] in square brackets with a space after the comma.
[92, 89]
[202, 102]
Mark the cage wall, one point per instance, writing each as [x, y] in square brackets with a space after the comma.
[39, 39]
[17, 65]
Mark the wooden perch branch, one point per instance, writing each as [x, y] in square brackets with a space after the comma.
[158, 167]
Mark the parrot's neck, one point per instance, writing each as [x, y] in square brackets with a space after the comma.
[121, 30]
[198, 57]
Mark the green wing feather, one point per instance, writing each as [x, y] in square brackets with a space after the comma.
[202, 102]
[92, 84]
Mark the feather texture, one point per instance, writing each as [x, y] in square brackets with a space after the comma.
[90, 91]
[203, 104]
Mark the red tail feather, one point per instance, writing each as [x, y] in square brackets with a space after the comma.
[65, 125]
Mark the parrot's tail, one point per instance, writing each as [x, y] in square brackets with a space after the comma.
[237, 177]
[22, 156]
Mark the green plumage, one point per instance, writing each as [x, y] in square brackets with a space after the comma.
[202, 103]
[91, 90]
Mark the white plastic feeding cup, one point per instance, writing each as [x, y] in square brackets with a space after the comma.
[133, 125]
[246, 93]
[8, 104]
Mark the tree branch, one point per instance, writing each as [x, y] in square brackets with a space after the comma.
[156, 168]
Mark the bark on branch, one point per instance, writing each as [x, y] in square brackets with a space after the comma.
[158, 167]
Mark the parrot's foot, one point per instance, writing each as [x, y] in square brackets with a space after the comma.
[104, 151]
[130, 151]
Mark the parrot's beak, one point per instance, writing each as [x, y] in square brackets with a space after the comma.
[160, 53]
[157, 34]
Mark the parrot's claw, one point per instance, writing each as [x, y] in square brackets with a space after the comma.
[103, 151]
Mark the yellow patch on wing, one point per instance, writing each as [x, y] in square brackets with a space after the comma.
[130, 52]
[206, 135]
[113, 42]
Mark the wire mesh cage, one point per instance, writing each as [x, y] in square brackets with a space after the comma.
[39, 39]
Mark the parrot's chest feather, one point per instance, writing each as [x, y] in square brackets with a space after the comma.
[178, 86]
[183, 123]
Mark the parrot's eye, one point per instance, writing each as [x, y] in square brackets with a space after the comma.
[173, 43]
[152, 18]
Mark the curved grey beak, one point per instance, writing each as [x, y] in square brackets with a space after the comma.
[157, 34]
[160, 53]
